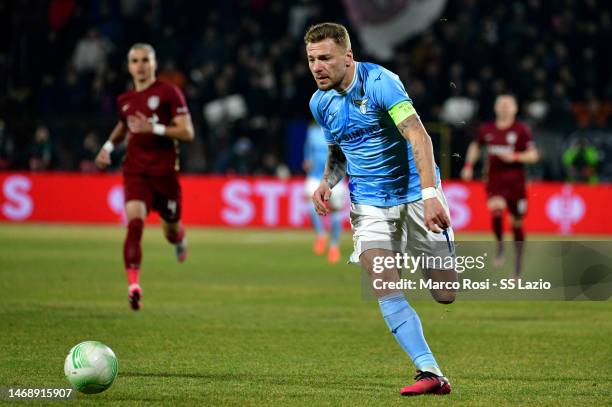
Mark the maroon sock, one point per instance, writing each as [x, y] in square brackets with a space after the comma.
[133, 276]
[498, 230]
[498, 226]
[132, 253]
[519, 241]
[175, 237]
[519, 234]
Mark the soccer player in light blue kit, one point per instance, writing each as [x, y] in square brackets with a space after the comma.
[315, 156]
[375, 136]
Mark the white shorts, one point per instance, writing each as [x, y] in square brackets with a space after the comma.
[339, 192]
[399, 228]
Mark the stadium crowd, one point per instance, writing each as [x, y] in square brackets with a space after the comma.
[242, 66]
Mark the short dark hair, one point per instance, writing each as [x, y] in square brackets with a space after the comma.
[142, 45]
[320, 32]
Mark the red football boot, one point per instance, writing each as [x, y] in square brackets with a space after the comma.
[319, 245]
[134, 296]
[427, 383]
[333, 255]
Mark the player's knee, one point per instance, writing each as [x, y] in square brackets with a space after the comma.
[517, 222]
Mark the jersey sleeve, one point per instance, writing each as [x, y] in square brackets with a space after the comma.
[314, 109]
[388, 92]
[120, 111]
[480, 135]
[176, 100]
[526, 138]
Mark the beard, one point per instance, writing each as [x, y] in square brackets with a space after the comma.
[328, 85]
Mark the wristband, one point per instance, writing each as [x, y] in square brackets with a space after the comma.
[108, 146]
[159, 129]
[468, 165]
[429, 193]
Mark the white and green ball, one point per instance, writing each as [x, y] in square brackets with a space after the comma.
[91, 367]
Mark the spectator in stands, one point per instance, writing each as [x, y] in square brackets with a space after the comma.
[592, 113]
[42, 150]
[171, 74]
[229, 53]
[580, 161]
[91, 146]
[6, 147]
[91, 52]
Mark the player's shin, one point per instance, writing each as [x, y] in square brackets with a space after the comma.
[175, 235]
[519, 241]
[405, 325]
[336, 228]
[497, 223]
[317, 224]
[132, 252]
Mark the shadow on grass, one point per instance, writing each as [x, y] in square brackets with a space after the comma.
[274, 379]
[224, 376]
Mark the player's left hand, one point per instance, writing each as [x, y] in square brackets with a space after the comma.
[436, 218]
[139, 123]
[103, 159]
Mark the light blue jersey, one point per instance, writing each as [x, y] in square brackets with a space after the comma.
[379, 159]
[315, 151]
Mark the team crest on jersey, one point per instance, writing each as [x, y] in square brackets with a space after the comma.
[511, 137]
[362, 105]
[153, 102]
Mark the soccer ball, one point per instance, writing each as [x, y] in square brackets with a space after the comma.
[91, 367]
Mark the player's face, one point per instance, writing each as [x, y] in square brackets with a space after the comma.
[141, 65]
[505, 107]
[328, 63]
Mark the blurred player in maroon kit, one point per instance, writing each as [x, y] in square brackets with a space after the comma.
[509, 147]
[154, 117]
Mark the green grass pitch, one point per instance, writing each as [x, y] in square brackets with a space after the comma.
[253, 318]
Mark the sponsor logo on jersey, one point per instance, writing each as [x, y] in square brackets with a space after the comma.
[511, 137]
[500, 149]
[359, 133]
[153, 102]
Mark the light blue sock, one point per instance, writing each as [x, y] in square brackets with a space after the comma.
[405, 325]
[316, 221]
[336, 228]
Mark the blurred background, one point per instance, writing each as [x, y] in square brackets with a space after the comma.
[242, 67]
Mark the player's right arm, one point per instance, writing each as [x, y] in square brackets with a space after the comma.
[118, 134]
[335, 170]
[471, 157]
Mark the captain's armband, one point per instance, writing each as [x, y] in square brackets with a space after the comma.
[401, 111]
